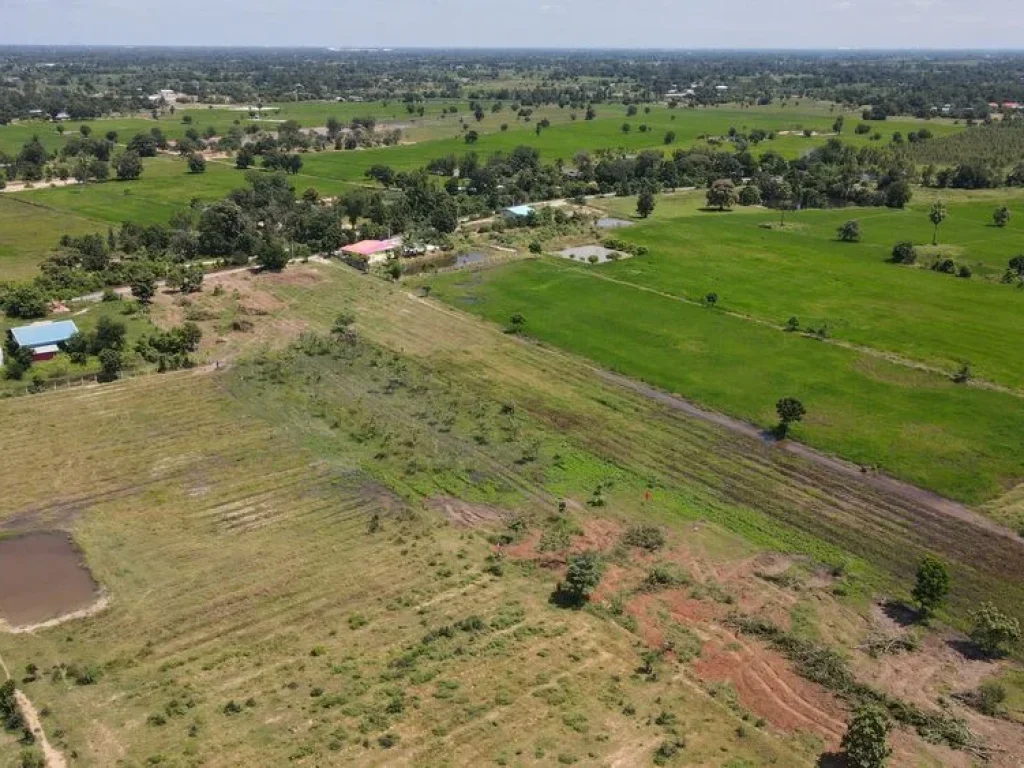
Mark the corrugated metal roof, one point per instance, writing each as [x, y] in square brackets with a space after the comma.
[520, 210]
[42, 334]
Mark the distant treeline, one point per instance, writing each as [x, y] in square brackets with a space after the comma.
[86, 83]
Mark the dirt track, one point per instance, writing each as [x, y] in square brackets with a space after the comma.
[877, 480]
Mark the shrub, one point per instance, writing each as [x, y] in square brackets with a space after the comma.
[661, 575]
[904, 253]
[989, 698]
[992, 629]
[649, 537]
[849, 232]
[667, 750]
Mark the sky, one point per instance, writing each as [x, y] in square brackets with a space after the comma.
[785, 24]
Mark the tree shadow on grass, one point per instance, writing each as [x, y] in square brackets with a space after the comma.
[903, 614]
[832, 760]
[969, 650]
[714, 209]
[560, 598]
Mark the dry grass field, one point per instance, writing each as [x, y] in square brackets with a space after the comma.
[341, 549]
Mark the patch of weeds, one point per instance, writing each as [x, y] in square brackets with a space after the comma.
[318, 650]
[664, 576]
[788, 579]
[648, 537]
[711, 590]
[665, 718]
[577, 721]
[667, 750]
[508, 615]
[306, 750]
[446, 689]
[357, 620]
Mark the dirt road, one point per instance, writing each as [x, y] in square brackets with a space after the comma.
[54, 757]
[879, 481]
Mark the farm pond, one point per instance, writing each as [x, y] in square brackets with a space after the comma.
[42, 577]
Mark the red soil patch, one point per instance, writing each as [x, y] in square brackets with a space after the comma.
[642, 609]
[611, 582]
[598, 534]
[766, 685]
[525, 549]
[687, 610]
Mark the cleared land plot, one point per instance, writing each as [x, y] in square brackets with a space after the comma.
[960, 441]
[285, 586]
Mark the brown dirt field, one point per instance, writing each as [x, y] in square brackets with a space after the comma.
[245, 297]
[42, 576]
[767, 686]
[466, 514]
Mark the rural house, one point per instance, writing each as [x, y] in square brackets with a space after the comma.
[373, 251]
[43, 338]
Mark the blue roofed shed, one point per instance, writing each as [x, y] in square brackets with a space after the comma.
[44, 334]
[518, 211]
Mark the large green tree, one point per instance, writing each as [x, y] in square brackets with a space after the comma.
[866, 741]
[128, 166]
[932, 585]
[722, 194]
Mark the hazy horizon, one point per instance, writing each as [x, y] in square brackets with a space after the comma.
[807, 25]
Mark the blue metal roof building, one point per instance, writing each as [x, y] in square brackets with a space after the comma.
[519, 211]
[44, 334]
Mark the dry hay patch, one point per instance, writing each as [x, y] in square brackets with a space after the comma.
[466, 514]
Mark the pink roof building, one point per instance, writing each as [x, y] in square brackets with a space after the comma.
[373, 250]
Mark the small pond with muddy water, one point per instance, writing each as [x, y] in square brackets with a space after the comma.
[43, 576]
